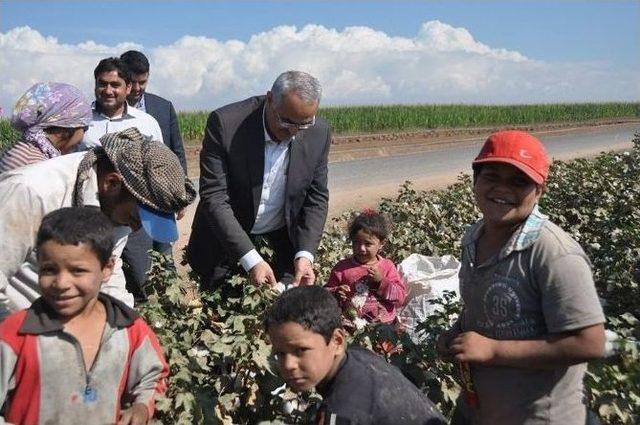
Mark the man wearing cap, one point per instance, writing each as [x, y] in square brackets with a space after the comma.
[135, 182]
[263, 172]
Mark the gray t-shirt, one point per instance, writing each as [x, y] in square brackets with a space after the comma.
[539, 283]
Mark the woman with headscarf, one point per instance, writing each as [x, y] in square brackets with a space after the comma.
[52, 118]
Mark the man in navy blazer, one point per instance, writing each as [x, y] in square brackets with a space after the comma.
[136, 255]
[263, 173]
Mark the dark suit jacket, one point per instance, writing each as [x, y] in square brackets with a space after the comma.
[162, 110]
[231, 173]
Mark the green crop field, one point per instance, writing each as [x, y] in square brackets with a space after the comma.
[377, 119]
[386, 118]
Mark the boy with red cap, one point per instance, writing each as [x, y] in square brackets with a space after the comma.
[531, 317]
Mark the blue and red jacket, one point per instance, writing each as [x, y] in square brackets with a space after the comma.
[43, 378]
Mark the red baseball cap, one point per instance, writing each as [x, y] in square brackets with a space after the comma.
[519, 149]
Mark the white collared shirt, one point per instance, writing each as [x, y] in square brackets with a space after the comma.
[26, 195]
[141, 105]
[271, 210]
[270, 214]
[131, 117]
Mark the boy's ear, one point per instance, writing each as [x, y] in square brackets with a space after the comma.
[107, 270]
[110, 182]
[339, 339]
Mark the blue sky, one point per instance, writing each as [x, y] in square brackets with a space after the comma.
[604, 36]
[551, 30]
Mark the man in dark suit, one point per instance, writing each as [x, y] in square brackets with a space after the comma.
[136, 254]
[263, 172]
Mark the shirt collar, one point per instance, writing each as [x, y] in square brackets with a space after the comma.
[140, 104]
[42, 319]
[524, 236]
[125, 114]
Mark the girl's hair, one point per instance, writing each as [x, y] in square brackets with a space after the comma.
[372, 222]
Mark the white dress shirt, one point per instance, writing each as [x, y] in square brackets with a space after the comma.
[131, 117]
[26, 195]
[270, 215]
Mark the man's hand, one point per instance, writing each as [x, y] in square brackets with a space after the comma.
[471, 347]
[261, 274]
[137, 414]
[304, 274]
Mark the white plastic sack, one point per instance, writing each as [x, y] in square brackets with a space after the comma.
[427, 278]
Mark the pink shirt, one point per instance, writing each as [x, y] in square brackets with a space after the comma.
[380, 301]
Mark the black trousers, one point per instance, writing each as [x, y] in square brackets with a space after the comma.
[137, 261]
[282, 263]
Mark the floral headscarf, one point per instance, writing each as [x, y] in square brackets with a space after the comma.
[49, 105]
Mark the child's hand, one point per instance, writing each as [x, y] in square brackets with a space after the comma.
[373, 271]
[137, 414]
[343, 292]
[471, 347]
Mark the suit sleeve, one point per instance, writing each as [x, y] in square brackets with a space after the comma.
[175, 138]
[313, 214]
[214, 192]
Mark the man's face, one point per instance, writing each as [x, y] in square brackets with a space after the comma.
[111, 93]
[138, 86]
[117, 203]
[291, 116]
[304, 358]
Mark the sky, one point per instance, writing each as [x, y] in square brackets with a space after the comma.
[205, 54]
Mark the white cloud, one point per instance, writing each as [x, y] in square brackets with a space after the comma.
[358, 65]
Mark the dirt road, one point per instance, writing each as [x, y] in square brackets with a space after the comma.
[366, 168]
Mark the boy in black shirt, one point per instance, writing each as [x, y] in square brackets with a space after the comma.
[357, 386]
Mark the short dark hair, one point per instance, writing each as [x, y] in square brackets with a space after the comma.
[75, 225]
[113, 64]
[312, 307]
[136, 61]
[371, 222]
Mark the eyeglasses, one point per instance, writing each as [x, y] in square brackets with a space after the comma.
[285, 123]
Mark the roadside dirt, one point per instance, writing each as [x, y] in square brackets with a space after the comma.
[350, 147]
[358, 146]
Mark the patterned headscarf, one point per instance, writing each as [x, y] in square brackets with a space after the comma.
[49, 105]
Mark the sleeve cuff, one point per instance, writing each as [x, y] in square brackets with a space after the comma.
[250, 259]
[305, 254]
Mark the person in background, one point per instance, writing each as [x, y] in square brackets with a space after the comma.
[52, 118]
[139, 244]
[88, 357]
[110, 110]
[366, 284]
[158, 107]
[531, 316]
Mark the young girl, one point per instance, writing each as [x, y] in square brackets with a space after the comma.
[368, 284]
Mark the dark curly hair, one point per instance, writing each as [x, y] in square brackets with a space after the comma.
[371, 222]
